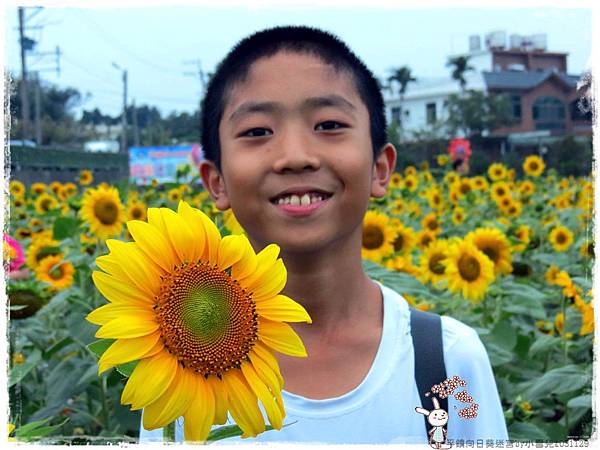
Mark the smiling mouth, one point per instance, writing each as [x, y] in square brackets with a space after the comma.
[300, 199]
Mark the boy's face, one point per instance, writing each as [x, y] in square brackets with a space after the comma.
[295, 131]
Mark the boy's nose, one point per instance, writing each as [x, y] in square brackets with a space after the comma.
[295, 153]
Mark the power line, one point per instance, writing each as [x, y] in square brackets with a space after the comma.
[119, 45]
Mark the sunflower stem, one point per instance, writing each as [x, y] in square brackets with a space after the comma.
[564, 331]
[169, 433]
[103, 385]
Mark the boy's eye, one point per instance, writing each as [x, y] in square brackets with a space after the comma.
[256, 132]
[329, 125]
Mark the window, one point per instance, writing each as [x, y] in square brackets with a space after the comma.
[516, 108]
[430, 111]
[548, 114]
[396, 115]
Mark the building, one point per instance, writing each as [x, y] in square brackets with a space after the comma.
[546, 101]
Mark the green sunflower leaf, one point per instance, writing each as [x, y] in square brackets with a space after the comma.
[18, 371]
[99, 347]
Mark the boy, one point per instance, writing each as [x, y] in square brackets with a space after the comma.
[293, 130]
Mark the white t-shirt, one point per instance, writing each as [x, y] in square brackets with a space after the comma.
[381, 409]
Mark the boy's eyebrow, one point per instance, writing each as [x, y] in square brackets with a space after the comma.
[336, 101]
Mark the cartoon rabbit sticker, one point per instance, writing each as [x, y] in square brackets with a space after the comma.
[437, 418]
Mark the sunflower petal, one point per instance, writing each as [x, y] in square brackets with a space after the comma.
[264, 395]
[119, 292]
[281, 337]
[149, 380]
[266, 354]
[243, 404]
[174, 402]
[126, 350]
[106, 313]
[197, 227]
[136, 266]
[265, 372]
[220, 394]
[231, 250]
[265, 260]
[247, 265]
[213, 237]
[282, 309]
[272, 282]
[179, 234]
[199, 417]
[128, 326]
[153, 243]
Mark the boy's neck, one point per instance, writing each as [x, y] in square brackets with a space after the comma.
[332, 286]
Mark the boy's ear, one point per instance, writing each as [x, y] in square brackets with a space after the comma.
[214, 184]
[384, 166]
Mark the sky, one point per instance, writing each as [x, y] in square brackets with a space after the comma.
[160, 46]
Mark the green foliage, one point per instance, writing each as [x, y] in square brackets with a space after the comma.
[474, 112]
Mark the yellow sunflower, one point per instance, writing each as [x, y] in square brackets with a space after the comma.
[523, 234]
[479, 183]
[458, 215]
[85, 177]
[405, 237]
[411, 182]
[38, 188]
[41, 247]
[424, 238]
[431, 262]
[403, 263]
[410, 171]
[103, 211]
[431, 222]
[396, 180]
[136, 210]
[203, 315]
[468, 270]
[16, 188]
[55, 271]
[55, 187]
[174, 195]
[526, 188]
[497, 171]
[377, 236]
[18, 202]
[499, 190]
[23, 233]
[442, 160]
[494, 244]
[44, 203]
[513, 209]
[561, 238]
[533, 166]
[434, 198]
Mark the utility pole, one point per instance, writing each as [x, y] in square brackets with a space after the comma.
[136, 131]
[124, 116]
[200, 75]
[38, 110]
[24, 93]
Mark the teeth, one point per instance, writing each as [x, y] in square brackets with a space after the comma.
[296, 200]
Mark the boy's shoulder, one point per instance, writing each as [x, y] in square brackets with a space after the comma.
[458, 338]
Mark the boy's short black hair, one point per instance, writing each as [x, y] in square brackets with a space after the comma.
[299, 39]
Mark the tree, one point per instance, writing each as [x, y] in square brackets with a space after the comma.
[475, 112]
[402, 76]
[460, 65]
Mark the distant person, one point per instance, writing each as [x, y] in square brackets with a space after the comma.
[460, 152]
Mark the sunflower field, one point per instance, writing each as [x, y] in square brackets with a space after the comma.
[510, 255]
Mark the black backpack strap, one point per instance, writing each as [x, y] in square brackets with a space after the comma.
[426, 331]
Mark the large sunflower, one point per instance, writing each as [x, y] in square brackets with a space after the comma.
[103, 211]
[203, 316]
[55, 271]
[533, 166]
[494, 244]
[38, 188]
[17, 188]
[561, 238]
[377, 236]
[468, 270]
[41, 246]
[431, 222]
[136, 210]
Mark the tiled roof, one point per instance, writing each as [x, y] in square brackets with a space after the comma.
[524, 80]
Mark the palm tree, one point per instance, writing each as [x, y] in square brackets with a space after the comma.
[402, 76]
[460, 65]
